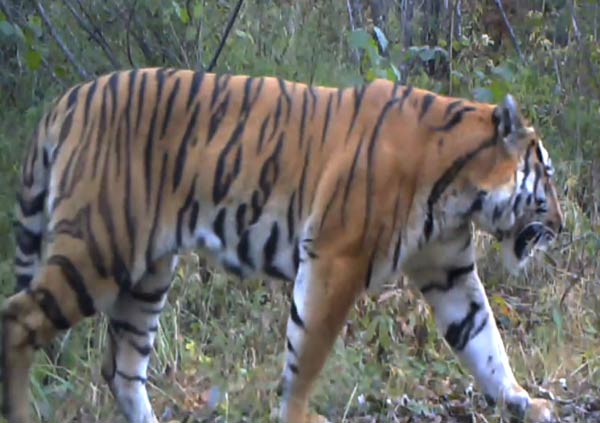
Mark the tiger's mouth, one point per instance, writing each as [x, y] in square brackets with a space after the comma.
[534, 236]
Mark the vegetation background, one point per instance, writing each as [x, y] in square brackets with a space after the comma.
[220, 344]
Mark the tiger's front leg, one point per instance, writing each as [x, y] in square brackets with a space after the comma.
[324, 291]
[464, 317]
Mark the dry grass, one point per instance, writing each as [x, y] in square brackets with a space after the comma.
[220, 348]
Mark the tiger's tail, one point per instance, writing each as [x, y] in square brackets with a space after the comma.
[31, 198]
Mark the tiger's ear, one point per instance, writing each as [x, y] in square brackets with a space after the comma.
[509, 124]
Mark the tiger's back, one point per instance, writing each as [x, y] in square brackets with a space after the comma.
[150, 160]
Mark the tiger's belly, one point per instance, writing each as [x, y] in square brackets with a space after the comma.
[264, 249]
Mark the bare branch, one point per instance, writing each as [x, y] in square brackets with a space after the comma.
[70, 57]
[95, 34]
[355, 53]
[593, 74]
[234, 14]
[511, 32]
[128, 36]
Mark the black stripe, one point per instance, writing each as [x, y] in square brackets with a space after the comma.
[327, 118]
[73, 96]
[216, 118]
[455, 119]
[182, 151]
[219, 226]
[119, 270]
[194, 88]
[452, 276]
[303, 118]
[293, 368]
[329, 203]
[290, 347]
[359, 92]
[287, 97]
[23, 263]
[65, 130]
[296, 256]
[169, 109]
[100, 133]
[194, 216]
[182, 210]
[141, 95]
[460, 333]
[243, 249]
[372, 259]
[223, 179]
[129, 219]
[405, 94]
[88, 102]
[240, 218]
[28, 242]
[370, 153]
[446, 179]
[295, 316]
[150, 297]
[130, 378]
[33, 206]
[269, 174]
[450, 107]
[113, 82]
[351, 178]
[302, 183]
[50, 307]
[262, 134]
[123, 325]
[143, 350]
[314, 97]
[269, 251]
[219, 83]
[290, 217]
[427, 102]
[75, 280]
[149, 150]
[157, 214]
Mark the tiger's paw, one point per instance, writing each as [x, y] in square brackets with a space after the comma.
[526, 409]
[540, 411]
[530, 410]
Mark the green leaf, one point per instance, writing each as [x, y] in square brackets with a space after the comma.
[33, 59]
[181, 13]
[359, 39]
[483, 94]
[557, 319]
[6, 29]
[197, 10]
[35, 24]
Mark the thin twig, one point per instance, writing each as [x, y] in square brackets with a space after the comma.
[355, 52]
[95, 34]
[511, 32]
[232, 18]
[128, 34]
[593, 74]
[70, 57]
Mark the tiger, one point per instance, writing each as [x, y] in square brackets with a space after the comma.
[334, 189]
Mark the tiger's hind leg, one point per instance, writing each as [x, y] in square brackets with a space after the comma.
[131, 332]
[64, 290]
[324, 291]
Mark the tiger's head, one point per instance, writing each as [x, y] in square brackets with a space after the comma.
[517, 200]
